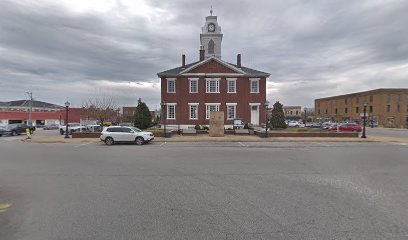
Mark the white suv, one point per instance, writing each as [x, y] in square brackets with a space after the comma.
[293, 124]
[113, 134]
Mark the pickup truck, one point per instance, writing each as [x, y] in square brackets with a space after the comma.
[72, 127]
[19, 128]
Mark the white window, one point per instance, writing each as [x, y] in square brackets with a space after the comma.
[193, 85]
[213, 85]
[232, 85]
[171, 85]
[254, 85]
[193, 110]
[211, 108]
[231, 111]
[171, 111]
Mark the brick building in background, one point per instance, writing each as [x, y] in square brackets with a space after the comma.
[386, 107]
[292, 113]
[193, 90]
[128, 114]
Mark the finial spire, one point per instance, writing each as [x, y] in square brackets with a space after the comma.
[211, 11]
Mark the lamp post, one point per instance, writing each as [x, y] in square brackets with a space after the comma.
[164, 104]
[266, 114]
[305, 116]
[30, 116]
[66, 119]
[118, 115]
[364, 121]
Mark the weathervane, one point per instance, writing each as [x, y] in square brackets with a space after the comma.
[211, 11]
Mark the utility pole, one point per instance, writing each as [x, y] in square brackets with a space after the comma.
[30, 116]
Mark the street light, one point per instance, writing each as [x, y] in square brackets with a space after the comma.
[66, 119]
[164, 104]
[364, 120]
[30, 121]
[305, 116]
[266, 114]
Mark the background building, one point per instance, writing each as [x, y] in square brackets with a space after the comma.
[43, 113]
[292, 113]
[128, 114]
[24, 106]
[387, 107]
[193, 90]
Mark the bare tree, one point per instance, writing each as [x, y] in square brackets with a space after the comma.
[102, 108]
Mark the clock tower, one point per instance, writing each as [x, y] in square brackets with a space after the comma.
[211, 37]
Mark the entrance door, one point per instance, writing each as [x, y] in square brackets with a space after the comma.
[255, 115]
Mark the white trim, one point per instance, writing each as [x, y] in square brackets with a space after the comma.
[215, 59]
[254, 104]
[167, 83]
[167, 110]
[235, 111]
[213, 74]
[207, 113]
[250, 86]
[207, 80]
[231, 104]
[189, 111]
[235, 84]
[189, 84]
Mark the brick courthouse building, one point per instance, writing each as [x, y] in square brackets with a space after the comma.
[191, 91]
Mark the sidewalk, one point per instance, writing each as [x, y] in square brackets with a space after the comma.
[206, 138]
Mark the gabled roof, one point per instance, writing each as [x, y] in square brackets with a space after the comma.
[225, 64]
[26, 103]
[175, 71]
[243, 71]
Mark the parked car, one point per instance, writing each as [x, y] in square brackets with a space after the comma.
[113, 134]
[4, 131]
[19, 128]
[51, 127]
[72, 127]
[94, 128]
[293, 124]
[314, 125]
[327, 125]
[349, 127]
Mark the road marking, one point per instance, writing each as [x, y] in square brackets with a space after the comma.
[4, 207]
[84, 144]
[402, 144]
[243, 145]
[161, 145]
[321, 144]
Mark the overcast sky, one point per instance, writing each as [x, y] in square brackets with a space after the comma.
[74, 49]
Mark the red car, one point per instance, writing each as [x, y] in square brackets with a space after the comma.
[349, 127]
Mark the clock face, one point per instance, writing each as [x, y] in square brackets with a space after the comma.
[211, 27]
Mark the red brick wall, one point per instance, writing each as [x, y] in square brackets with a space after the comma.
[243, 97]
[212, 67]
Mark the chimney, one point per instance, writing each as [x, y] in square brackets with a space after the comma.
[239, 60]
[183, 61]
[202, 53]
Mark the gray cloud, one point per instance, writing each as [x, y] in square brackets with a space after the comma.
[311, 48]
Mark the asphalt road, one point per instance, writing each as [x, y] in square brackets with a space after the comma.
[204, 191]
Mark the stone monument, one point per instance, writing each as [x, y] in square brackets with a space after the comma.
[216, 124]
